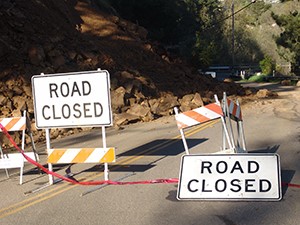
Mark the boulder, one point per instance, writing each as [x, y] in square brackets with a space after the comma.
[125, 118]
[142, 111]
[264, 93]
[197, 100]
[286, 82]
[191, 101]
[186, 102]
[164, 105]
[36, 55]
[118, 98]
[19, 102]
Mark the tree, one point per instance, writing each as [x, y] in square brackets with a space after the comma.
[188, 24]
[267, 65]
[209, 38]
[199, 29]
[290, 36]
[164, 19]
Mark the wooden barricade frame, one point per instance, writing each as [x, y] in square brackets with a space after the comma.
[17, 160]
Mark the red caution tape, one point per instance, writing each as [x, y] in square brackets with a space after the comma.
[156, 181]
[290, 185]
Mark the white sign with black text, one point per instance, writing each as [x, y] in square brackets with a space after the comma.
[230, 177]
[72, 99]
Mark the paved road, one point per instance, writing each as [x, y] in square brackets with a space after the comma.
[153, 150]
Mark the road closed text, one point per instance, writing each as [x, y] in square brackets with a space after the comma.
[230, 176]
[224, 184]
[76, 110]
[72, 99]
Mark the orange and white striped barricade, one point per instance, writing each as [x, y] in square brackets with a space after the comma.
[16, 160]
[198, 116]
[81, 155]
[232, 111]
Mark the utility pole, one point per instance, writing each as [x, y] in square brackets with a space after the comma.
[232, 30]
[232, 36]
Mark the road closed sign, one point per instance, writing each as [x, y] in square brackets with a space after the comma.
[230, 177]
[72, 99]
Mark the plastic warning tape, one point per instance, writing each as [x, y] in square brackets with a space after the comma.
[200, 115]
[234, 110]
[14, 123]
[81, 155]
[109, 182]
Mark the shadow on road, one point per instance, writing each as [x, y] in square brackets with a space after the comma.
[163, 147]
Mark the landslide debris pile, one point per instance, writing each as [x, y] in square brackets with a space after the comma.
[49, 36]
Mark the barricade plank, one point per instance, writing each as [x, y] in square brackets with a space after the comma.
[14, 123]
[234, 110]
[199, 115]
[81, 155]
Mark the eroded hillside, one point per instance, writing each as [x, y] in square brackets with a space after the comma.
[49, 36]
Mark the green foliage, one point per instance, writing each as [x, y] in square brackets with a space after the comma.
[209, 36]
[257, 78]
[290, 37]
[267, 65]
[201, 30]
[166, 20]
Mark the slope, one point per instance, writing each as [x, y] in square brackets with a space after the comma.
[48, 36]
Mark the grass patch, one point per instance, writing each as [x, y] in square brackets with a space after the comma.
[256, 78]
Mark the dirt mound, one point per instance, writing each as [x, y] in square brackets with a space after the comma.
[49, 36]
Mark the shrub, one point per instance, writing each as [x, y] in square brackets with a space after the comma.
[267, 65]
[257, 78]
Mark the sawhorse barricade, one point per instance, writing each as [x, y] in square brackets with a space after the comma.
[16, 160]
[80, 155]
[209, 176]
[211, 112]
[232, 111]
[71, 100]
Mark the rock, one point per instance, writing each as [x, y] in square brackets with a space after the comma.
[248, 91]
[19, 103]
[58, 61]
[126, 75]
[191, 101]
[16, 113]
[36, 55]
[30, 107]
[3, 100]
[5, 111]
[142, 111]
[298, 84]
[286, 82]
[264, 93]
[125, 118]
[118, 98]
[186, 103]
[228, 80]
[164, 106]
[27, 90]
[197, 100]
[86, 128]
[54, 132]
[17, 90]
